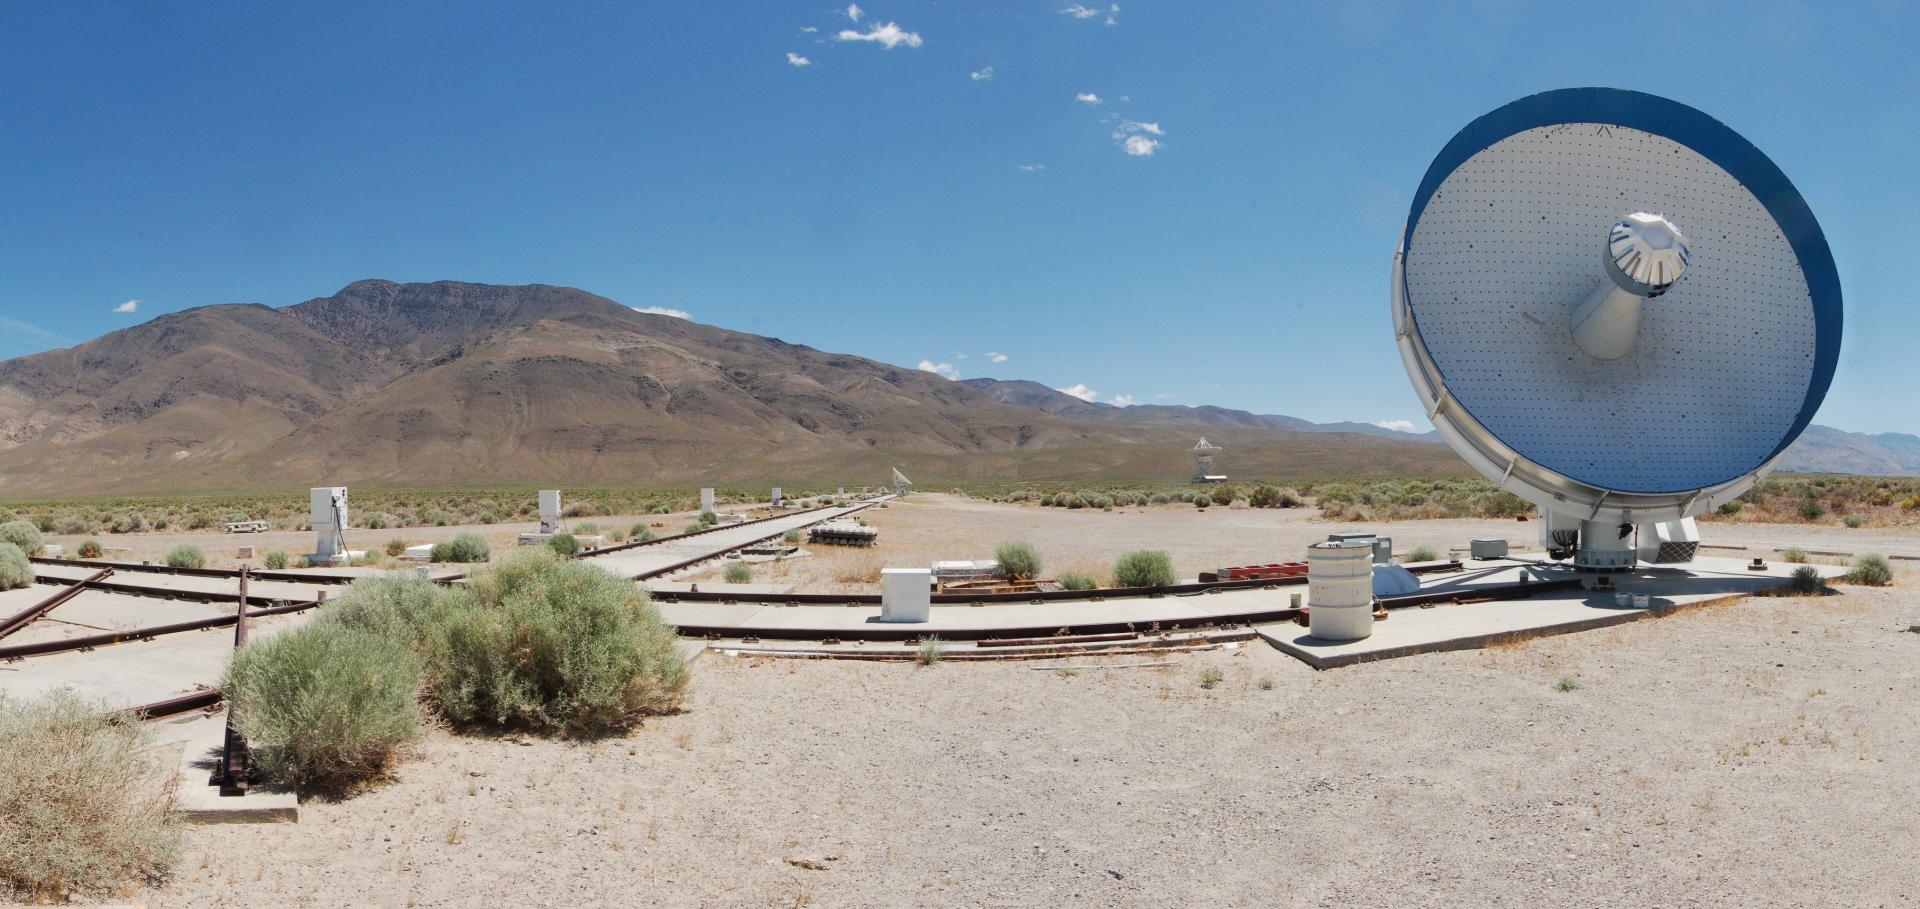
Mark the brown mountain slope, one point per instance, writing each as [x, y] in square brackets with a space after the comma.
[450, 383]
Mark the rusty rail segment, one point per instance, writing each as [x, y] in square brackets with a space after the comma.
[89, 642]
[292, 577]
[1038, 596]
[27, 615]
[672, 538]
[173, 706]
[234, 773]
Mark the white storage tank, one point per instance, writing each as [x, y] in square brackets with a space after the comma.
[1340, 590]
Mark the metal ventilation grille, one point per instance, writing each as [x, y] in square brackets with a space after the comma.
[1512, 240]
[1676, 552]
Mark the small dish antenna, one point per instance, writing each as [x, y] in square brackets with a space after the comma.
[1203, 454]
[900, 482]
[1617, 309]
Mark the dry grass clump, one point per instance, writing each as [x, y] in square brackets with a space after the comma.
[82, 811]
[15, 571]
[325, 705]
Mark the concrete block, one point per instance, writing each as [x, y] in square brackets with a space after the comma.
[906, 594]
[200, 802]
[706, 499]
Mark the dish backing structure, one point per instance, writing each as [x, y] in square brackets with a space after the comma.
[1617, 309]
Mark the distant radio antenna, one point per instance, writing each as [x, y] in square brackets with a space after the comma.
[900, 482]
[1203, 454]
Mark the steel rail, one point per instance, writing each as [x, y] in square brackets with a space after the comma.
[1037, 596]
[26, 616]
[695, 560]
[89, 642]
[292, 577]
[173, 706]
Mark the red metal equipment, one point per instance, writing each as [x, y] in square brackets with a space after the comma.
[1264, 572]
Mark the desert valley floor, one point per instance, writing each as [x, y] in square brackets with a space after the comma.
[1762, 751]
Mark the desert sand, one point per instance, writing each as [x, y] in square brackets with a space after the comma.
[1760, 752]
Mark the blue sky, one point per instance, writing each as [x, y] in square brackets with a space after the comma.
[937, 190]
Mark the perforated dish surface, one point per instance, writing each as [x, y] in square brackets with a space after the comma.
[1511, 241]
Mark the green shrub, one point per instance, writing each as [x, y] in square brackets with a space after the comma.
[1264, 496]
[1872, 571]
[1793, 554]
[1853, 521]
[184, 556]
[1567, 683]
[91, 549]
[464, 549]
[1224, 494]
[737, 573]
[1806, 581]
[1810, 509]
[84, 812]
[1046, 500]
[585, 529]
[554, 644]
[1201, 499]
[1103, 503]
[73, 525]
[708, 518]
[401, 607]
[1211, 678]
[1018, 559]
[22, 534]
[1159, 498]
[1729, 509]
[125, 523]
[15, 571]
[276, 559]
[565, 545]
[932, 649]
[1423, 554]
[694, 527]
[1074, 580]
[1143, 568]
[396, 547]
[791, 537]
[377, 522]
[324, 705]
[640, 533]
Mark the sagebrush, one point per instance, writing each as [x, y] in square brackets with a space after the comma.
[326, 704]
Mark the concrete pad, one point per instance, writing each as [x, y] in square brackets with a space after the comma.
[1409, 631]
[200, 802]
[138, 672]
[94, 612]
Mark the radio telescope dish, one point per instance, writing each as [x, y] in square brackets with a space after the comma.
[1617, 309]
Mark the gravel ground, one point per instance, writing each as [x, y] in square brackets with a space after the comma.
[1763, 752]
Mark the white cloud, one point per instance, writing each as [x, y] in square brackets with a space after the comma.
[996, 357]
[1137, 137]
[1081, 391]
[1079, 11]
[944, 370]
[662, 311]
[28, 328]
[854, 11]
[1087, 98]
[983, 74]
[1124, 401]
[129, 306]
[1033, 168]
[797, 60]
[1396, 425]
[888, 36]
[808, 30]
[1165, 396]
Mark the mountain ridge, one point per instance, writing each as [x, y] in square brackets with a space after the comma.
[452, 383]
